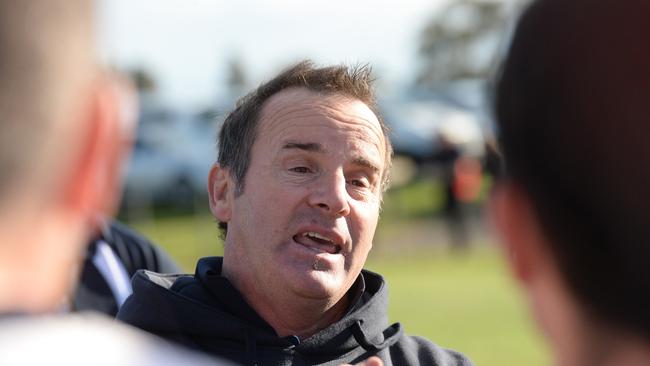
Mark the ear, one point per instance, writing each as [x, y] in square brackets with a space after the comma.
[521, 237]
[98, 168]
[221, 192]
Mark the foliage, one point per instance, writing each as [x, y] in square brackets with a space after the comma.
[144, 80]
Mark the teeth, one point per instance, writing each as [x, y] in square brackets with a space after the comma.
[316, 235]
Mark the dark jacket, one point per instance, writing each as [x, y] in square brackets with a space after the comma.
[134, 252]
[186, 309]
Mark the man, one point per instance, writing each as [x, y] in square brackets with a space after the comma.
[572, 111]
[303, 162]
[58, 156]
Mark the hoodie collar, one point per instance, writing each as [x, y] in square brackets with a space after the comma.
[208, 271]
[185, 307]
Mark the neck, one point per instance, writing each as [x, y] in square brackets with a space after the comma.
[593, 343]
[22, 290]
[39, 259]
[619, 349]
[290, 314]
[302, 320]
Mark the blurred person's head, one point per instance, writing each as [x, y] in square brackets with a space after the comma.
[303, 161]
[571, 108]
[58, 147]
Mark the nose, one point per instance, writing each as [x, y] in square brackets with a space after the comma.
[331, 195]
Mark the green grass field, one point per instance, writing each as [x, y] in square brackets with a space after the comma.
[464, 301]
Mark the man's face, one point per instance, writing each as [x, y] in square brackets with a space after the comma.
[305, 221]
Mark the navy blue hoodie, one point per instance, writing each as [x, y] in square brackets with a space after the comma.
[207, 313]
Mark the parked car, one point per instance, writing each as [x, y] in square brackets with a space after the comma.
[418, 125]
[171, 159]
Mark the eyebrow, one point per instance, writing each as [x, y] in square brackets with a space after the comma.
[318, 148]
[367, 164]
[308, 146]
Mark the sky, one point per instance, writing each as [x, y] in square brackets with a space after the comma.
[186, 44]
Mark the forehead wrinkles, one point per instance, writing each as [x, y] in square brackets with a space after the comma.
[302, 108]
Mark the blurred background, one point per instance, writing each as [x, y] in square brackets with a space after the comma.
[434, 60]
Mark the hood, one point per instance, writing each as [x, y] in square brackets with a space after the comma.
[159, 305]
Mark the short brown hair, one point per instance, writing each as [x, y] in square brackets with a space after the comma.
[239, 129]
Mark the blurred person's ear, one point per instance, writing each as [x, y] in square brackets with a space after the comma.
[221, 192]
[126, 104]
[92, 182]
[512, 214]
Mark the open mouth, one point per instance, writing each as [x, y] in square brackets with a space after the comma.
[317, 242]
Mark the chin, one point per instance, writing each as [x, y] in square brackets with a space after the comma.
[320, 285]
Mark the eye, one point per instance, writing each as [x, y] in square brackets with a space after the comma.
[361, 183]
[300, 169]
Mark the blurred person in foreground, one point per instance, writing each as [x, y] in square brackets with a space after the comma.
[303, 162]
[572, 210]
[58, 156]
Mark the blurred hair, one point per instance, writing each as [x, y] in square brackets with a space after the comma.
[572, 112]
[239, 129]
[43, 47]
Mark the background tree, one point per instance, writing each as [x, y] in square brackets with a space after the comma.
[144, 80]
[461, 41]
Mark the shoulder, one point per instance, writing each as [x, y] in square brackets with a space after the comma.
[145, 281]
[155, 295]
[84, 339]
[414, 350]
